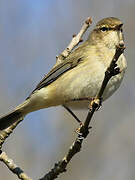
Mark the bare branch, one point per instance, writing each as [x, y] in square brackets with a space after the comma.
[83, 131]
[13, 167]
[74, 42]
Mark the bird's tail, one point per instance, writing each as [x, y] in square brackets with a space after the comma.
[10, 118]
[17, 114]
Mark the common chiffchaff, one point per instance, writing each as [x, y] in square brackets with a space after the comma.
[78, 79]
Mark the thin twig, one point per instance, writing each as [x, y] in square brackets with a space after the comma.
[13, 167]
[74, 42]
[83, 131]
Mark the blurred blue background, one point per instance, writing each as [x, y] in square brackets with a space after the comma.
[32, 33]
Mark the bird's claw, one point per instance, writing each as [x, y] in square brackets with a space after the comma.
[96, 103]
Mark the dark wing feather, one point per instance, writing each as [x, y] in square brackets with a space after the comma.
[55, 73]
[73, 60]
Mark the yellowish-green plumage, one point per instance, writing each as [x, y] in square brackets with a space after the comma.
[78, 79]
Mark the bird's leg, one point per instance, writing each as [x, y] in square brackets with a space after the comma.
[71, 112]
[76, 118]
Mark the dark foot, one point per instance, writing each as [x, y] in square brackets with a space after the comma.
[96, 103]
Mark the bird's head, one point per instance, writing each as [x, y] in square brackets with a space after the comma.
[108, 32]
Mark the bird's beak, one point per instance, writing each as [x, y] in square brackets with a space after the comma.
[121, 39]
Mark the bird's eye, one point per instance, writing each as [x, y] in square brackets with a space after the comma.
[104, 29]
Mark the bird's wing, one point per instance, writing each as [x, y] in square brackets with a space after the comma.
[56, 72]
[73, 60]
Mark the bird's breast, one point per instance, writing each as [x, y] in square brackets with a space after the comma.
[91, 81]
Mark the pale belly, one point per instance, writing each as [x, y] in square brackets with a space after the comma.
[112, 86]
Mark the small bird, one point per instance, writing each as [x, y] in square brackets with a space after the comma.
[74, 82]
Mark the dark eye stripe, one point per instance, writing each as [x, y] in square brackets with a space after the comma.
[104, 29]
[108, 28]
